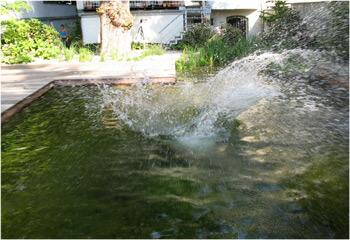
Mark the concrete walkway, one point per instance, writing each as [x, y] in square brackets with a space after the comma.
[21, 84]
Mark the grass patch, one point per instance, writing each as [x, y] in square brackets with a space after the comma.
[114, 54]
[85, 54]
[215, 52]
[156, 49]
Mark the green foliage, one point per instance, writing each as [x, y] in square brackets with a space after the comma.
[337, 38]
[179, 46]
[102, 59]
[286, 29]
[280, 10]
[22, 40]
[114, 53]
[198, 35]
[137, 46]
[231, 34]
[70, 52]
[85, 54]
[16, 6]
[217, 51]
[155, 49]
[76, 36]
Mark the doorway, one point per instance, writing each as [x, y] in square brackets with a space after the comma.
[239, 22]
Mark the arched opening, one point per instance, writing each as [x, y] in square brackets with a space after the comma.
[239, 22]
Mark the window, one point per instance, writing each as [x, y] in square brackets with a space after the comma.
[239, 22]
[61, 2]
[91, 5]
[149, 5]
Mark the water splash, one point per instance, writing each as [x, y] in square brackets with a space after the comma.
[194, 110]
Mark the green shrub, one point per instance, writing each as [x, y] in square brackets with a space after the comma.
[21, 40]
[231, 34]
[69, 53]
[215, 52]
[137, 46]
[198, 35]
[285, 28]
[179, 46]
[336, 37]
[15, 6]
[85, 54]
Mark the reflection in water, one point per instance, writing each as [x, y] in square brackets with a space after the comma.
[240, 155]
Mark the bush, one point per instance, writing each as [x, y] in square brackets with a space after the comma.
[136, 45]
[85, 54]
[337, 35]
[215, 52]
[198, 35]
[231, 34]
[69, 53]
[286, 29]
[21, 40]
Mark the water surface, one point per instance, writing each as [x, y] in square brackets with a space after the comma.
[272, 165]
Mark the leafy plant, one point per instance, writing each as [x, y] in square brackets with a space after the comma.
[137, 46]
[16, 6]
[69, 53]
[155, 49]
[85, 54]
[198, 35]
[215, 52]
[337, 35]
[22, 40]
[286, 29]
[231, 34]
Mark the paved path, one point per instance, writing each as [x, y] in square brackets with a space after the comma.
[20, 82]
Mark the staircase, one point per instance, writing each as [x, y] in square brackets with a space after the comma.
[177, 39]
[174, 32]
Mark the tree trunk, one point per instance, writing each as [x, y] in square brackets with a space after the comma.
[116, 21]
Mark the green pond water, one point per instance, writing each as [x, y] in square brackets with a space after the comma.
[70, 170]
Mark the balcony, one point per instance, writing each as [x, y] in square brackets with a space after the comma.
[150, 5]
[91, 5]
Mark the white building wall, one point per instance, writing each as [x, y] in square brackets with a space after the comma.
[41, 9]
[91, 30]
[235, 4]
[159, 27]
[255, 23]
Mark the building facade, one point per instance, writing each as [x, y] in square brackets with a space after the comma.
[163, 21]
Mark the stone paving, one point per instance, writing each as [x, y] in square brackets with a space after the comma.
[24, 81]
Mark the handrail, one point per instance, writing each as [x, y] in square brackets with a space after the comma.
[170, 23]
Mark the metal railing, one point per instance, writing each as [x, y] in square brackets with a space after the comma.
[155, 4]
[91, 5]
[170, 23]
